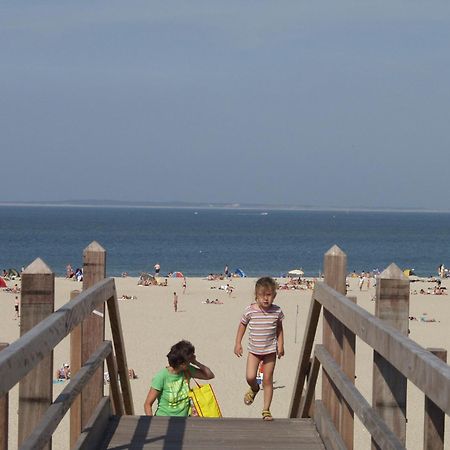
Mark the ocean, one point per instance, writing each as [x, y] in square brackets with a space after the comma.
[203, 241]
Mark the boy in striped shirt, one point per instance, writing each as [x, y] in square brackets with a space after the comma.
[265, 340]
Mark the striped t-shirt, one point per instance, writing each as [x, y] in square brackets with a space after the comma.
[262, 326]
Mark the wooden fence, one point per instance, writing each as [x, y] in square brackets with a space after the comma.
[29, 360]
[396, 359]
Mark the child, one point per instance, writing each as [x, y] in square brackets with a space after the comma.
[175, 302]
[265, 341]
[170, 386]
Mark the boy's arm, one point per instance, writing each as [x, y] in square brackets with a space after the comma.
[280, 340]
[239, 335]
[151, 397]
[202, 372]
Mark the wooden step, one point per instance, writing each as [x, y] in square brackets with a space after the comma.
[177, 433]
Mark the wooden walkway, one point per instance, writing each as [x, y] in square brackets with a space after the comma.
[176, 433]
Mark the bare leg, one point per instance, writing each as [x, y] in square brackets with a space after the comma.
[269, 366]
[252, 369]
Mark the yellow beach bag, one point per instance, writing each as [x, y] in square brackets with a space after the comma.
[203, 401]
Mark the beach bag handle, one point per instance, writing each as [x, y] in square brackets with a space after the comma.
[203, 400]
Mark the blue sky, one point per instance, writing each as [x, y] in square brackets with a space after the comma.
[340, 104]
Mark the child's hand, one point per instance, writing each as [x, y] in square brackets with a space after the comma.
[280, 352]
[238, 350]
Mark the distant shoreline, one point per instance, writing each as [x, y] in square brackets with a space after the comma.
[215, 206]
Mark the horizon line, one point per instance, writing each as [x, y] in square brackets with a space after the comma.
[210, 205]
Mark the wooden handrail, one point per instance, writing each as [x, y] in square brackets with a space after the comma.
[56, 411]
[379, 431]
[18, 359]
[426, 371]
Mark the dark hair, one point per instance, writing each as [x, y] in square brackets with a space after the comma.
[266, 283]
[180, 353]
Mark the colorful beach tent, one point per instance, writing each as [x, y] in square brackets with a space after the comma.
[2, 282]
[409, 272]
[178, 275]
[240, 273]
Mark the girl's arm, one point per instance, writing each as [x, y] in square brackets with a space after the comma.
[152, 395]
[280, 340]
[201, 371]
[239, 335]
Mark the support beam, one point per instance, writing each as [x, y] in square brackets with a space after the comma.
[36, 388]
[93, 328]
[389, 385]
[434, 418]
[335, 271]
[75, 365]
[4, 413]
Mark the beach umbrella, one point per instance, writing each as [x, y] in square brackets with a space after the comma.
[178, 275]
[296, 272]
[2, 282]
[240, 273]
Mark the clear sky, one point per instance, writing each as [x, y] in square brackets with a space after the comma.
[337, 103]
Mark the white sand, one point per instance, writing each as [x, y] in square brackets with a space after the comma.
[151, 326]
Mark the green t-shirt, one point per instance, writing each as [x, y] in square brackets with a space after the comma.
[173, 390]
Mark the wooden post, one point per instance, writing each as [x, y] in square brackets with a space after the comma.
[92, 329]
[75, 366]
[335, 271]
[434, 423]
[4, 414]
[36, 388]
[389, 385]
[348, 366]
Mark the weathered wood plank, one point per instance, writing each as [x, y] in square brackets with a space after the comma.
[389, 385]
[92, 328]
[348, 367]
[121, 357]
[305, 355]
[434, 417]
[24, 354]
[422, 368]
[379, 431]
[310, 389]
[75, 366]
[94, 432]
[36, 388]
[170, 433]
[335, 270]
[327, 431]
[4, 413]
[42, 433]
[115, 394]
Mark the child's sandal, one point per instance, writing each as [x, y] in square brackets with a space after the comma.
[266, 415]
[249, 396]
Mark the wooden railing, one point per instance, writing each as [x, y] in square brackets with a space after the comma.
[396, 360]
[29, 360]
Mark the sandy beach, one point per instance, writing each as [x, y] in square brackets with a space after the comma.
[151, 326]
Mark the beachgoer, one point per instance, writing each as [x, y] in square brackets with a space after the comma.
[69, 271]
[157, 268]
[361, 282]
[16, 308]
[265, 342]
[170, 386]
[63, 373]
[225, 271]
[175, 301]
[184, 285]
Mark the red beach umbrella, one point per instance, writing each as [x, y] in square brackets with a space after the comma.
[2, 283]
[178, 275]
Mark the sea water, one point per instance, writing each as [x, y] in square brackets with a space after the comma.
[203, 241]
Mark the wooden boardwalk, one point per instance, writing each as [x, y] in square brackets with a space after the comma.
[176, 433]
